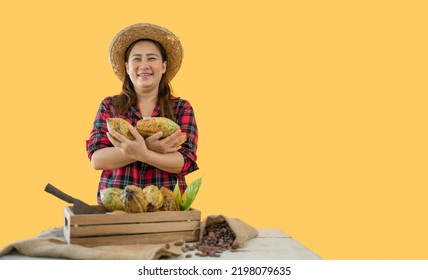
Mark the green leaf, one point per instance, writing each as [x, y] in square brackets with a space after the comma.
[189, 194]
[177, 193]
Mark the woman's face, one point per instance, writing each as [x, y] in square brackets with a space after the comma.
[145, 66]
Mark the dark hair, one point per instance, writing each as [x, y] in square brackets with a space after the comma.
[128, 96]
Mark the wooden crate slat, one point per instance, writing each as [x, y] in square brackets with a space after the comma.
[148, 238]
[161, 216]
[101, 230]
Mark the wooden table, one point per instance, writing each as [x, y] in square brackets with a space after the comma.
[270, 244]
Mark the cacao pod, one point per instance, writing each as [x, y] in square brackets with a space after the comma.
[149, 126]
[110, 199]
[120, 125]
[134, 199]
[182, 137]
[154, 198]
[169, 201]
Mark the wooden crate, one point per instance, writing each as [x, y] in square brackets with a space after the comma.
[131, 228]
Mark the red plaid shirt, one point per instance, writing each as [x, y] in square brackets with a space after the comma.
[140, 173]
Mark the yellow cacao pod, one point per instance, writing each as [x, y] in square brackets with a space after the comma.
[120, 125]
[182, 137]
[149, 126]
[110, 199]
[154, 198]
[169, 201]
[134, 200]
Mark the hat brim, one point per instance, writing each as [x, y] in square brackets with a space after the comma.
[138, 31]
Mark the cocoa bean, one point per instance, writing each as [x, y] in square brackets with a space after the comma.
[178, 243]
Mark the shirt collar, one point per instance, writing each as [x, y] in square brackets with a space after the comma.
[135, 110]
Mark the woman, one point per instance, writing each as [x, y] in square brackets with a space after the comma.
[145, 57]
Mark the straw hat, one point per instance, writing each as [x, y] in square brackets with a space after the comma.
[132, 33]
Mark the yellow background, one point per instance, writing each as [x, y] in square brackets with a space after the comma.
[312, 114]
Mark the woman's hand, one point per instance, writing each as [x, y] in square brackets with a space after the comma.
[135, 149]
[165, 145]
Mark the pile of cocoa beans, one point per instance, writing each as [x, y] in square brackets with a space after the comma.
[217, 238]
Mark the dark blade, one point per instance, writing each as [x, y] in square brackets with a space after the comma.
[80, 207]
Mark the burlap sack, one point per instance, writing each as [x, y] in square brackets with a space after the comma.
[52, 244]
[242, 230]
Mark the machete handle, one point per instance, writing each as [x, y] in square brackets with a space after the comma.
[61, 195]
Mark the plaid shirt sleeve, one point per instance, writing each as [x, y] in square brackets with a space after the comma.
[98, 138]
[185, 118]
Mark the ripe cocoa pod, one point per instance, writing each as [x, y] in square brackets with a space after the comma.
[134, 200]
[182, 137]
[149, 126]
[110, 199]
[169, 201]
[154, 198]
[120, 125]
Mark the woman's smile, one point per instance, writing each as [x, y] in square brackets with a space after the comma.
[144, 76]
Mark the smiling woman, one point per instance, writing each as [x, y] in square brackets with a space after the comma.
[145, 57]
[145, 67]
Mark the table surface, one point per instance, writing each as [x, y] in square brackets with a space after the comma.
[270, 244]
